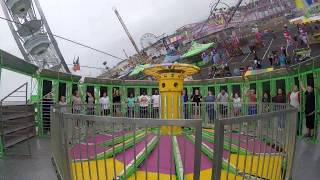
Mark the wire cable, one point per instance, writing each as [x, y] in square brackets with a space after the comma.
[69, 40]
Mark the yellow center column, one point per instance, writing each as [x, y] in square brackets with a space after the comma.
[170, 87]
[171, 78]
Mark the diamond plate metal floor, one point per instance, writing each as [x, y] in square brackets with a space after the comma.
[38, 166]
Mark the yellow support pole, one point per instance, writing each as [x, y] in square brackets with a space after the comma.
[171, 78]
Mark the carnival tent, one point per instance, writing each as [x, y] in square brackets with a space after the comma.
[196, 49]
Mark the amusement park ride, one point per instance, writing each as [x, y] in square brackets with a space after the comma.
[177, 139]
[32, 34]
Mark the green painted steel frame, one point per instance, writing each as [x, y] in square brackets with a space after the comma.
[288, 75]
[149, 85]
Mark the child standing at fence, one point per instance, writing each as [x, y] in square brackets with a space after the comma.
[155, 104]
[144, 103]
[90, 103]
[76, 101]
[252, 99]
[265, 102]
[236, 104]
[196, 98]
[223, 99]
[280, 98]
[104, 102]
[131, 100]
[63, 104]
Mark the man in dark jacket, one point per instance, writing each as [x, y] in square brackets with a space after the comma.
[309, 108]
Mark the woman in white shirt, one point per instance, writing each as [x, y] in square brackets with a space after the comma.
[104, 102]
[294, 100]
[144, 103]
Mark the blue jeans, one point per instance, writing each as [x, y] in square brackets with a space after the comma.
[252, 110]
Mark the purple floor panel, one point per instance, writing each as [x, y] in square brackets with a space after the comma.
[84, 151]
[186, 148]
[99, 139]
[164, 158]
[210, 145]
[128, 155]
[253, 145]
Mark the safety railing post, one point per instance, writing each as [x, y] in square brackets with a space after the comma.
[218, 149]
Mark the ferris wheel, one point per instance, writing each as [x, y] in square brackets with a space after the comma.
[33, 35]
[147, 40]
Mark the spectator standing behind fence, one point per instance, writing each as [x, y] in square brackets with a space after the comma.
[270, 58]
[105, 103]
[63, 104]
[185, 105]
[279, 98]
[252, 99]
[294, 100]
[144, 103]
[76, 102]
[309, 109]
[237, 103]
[282, 60]
[155, 104]
[210, 106]
[116, 100]
[90, 103]
[196, 98]
[266, 102]
[288, 38]
[304, 36]
[131, 100]
[222, 98]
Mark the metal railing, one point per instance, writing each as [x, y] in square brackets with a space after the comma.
[16, 121]
[244, 141]
[262, 145]
[207, 111]
[42, 109]
[91, 147]
[17, 96]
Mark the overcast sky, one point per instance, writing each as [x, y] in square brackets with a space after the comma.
[95, 24]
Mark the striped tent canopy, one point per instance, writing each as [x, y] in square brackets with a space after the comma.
[305, 20]
[255, 72]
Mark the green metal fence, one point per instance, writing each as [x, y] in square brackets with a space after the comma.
[284, 78]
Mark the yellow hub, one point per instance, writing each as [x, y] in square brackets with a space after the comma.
[171, 78]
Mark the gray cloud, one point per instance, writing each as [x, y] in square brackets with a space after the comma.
[95, 24]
